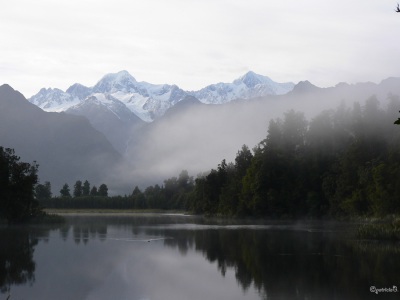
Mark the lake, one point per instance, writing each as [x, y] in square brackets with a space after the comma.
[167, 256]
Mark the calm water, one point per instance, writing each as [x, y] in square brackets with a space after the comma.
[180, 257]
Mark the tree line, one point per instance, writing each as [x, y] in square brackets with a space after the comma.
[43, 191]
[173, 194]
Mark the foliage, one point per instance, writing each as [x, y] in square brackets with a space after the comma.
[344, 162]
[93, 191]
[380, 231]
[86, 188]
[174, 194]
[78, 188]
[17, 187]
[43, 191]
[103, 190]
[65, 191]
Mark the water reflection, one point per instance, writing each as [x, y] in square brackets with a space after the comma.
[124, 256]
[17, 266]
[16, 258]
[287, 264]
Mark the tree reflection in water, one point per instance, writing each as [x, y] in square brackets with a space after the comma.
[17, 266]
[297, 265]
[16, 257]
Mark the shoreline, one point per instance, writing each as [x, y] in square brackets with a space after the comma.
[70, 211]
[378, 229]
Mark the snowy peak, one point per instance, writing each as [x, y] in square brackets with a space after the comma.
[250, 85]
[121, 81]
[53, 100]
[148, 101]
[161, 98]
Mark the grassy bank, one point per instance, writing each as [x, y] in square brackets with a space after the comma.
[57, 211]
[380, 229]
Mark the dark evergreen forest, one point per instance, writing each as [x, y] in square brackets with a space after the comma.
[343, 162]
[17, 181]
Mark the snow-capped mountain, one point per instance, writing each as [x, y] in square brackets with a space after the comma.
[118, 82]
[250, 85]
[147, 101]
[150, 101]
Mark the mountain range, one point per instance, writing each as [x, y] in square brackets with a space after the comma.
[120, 91]
[118, 105]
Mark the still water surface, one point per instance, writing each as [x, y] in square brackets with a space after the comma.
[188, 258]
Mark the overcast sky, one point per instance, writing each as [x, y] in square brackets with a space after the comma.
[194, 43]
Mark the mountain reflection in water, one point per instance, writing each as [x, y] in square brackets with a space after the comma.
[273, 261]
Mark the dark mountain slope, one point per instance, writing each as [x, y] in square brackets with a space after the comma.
[66, 147]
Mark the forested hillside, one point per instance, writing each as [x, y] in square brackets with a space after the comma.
[342, 162]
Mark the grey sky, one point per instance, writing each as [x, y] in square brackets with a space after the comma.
[193, 43]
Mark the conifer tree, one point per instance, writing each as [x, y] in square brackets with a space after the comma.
[65, 192]
[86, 188]
[93, 191]
[78, 188]
[103, 190]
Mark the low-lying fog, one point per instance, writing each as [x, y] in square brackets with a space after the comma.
[197, 137]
